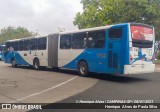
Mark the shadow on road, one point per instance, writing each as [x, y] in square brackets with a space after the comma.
[115, 78]
[105, 77]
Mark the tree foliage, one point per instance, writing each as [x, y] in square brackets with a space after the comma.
[105, 12]
[10, 32]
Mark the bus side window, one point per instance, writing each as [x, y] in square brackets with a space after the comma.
[79, 40]
[26, 45]
[7, 45]
[16, 46]
[21, 46]
[33, 44]
[115, 33]
[12, 46]
[65, 41]
[42, 43]
[96, 39]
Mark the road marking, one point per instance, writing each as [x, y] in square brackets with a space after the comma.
[44, 90]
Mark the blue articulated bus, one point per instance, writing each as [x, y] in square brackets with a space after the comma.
[126, 48]
[2, 52]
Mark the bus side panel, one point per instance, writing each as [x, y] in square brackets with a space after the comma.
[43, 57]
[96, 60]
[9, 56]
[19, 58]
[27, 57]
[69, 58]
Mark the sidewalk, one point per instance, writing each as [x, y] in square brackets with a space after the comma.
[157, 69]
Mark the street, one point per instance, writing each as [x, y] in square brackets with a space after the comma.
[25, 85]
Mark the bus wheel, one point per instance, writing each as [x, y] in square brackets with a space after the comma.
[13, 63]
[36, 64]
[83, 69]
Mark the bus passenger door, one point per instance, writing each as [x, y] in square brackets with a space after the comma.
[114, 45]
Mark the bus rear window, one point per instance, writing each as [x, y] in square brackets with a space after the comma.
[142, 36]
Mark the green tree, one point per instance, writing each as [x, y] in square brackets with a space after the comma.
[11, 32]
[105, 12]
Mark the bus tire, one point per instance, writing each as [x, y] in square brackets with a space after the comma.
[13, 63]
[36, 64]
[83, 68]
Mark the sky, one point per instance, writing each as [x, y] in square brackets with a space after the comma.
[42, 16]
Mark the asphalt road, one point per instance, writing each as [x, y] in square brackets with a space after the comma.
[26, 85]
[47, 86]
[135, 87]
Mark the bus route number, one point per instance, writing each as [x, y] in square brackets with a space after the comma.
[101, 55]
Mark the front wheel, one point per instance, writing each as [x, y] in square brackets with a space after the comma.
[36, 64]
[13, 63]
[83, 69]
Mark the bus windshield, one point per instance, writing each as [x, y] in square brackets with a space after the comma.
[142, 36]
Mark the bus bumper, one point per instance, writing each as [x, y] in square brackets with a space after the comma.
[136, 69]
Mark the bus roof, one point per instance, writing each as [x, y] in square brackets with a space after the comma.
[25, 38]
[104, 27]
[83, 30]
[88, 29]
[98, 28]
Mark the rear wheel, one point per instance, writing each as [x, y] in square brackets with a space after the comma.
[83, 69]
[13, 63]
[36, 64]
